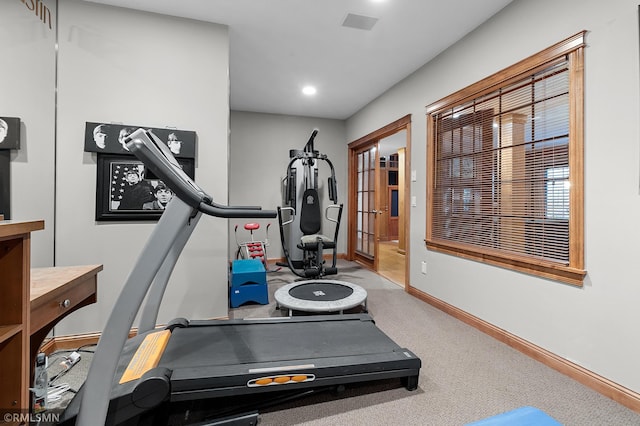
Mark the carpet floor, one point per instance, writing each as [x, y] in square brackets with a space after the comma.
[465, 376]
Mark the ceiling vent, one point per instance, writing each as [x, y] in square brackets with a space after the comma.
[359, 22]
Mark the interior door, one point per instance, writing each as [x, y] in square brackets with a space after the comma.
[367, 204]
[368, 218]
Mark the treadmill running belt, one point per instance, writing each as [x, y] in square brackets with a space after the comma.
[241, 344]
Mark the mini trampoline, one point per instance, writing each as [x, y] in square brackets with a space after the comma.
[320, 296]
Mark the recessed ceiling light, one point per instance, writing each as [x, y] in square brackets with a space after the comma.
[309, 90]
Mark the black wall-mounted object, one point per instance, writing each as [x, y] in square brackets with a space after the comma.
[123, 197]
[109, 138]
[5, 184]
[9, 133]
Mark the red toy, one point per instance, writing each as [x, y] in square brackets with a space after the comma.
[253, 249]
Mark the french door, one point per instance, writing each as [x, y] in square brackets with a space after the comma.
[366, 204]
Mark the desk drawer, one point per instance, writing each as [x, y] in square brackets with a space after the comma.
[50, 308]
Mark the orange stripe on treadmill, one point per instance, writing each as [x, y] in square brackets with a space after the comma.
[147, 356]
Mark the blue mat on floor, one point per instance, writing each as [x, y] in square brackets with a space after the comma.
[524, 416]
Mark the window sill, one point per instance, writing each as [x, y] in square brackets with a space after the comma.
[531, 266]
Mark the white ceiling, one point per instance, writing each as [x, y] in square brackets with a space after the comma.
[279, 46]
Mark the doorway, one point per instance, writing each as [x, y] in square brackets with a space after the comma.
[378, 200]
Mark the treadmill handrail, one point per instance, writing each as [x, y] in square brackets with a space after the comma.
[177, 218]
[234, 212]
[155, 155]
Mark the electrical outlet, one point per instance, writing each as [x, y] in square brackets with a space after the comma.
[423, 265]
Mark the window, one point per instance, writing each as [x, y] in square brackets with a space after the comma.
[505, 167]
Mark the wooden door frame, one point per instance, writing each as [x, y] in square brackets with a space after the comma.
[372, 139]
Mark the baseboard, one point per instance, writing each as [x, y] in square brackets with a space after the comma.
[72, 341]
[602, 385]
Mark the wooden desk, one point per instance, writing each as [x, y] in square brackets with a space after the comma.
[15, 261]
[26, 319]
[55, 293]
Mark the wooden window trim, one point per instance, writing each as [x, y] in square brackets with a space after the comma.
[573, 273]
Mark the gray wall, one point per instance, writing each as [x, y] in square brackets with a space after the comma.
[259, 155]
[28, 92]
[594, 326]
[132, 67]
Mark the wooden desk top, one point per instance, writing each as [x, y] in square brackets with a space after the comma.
[9, 228]
[47, 283]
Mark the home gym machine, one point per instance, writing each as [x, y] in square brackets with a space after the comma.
[192, 371]
[300, 219]
[303, 243]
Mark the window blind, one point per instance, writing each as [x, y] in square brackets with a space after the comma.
[506, 171]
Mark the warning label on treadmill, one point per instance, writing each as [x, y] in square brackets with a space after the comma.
[147, 355]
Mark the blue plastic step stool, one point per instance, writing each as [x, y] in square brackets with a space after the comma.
[523, 416]
[248, 282]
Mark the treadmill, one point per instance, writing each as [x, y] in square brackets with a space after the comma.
[216, 372]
